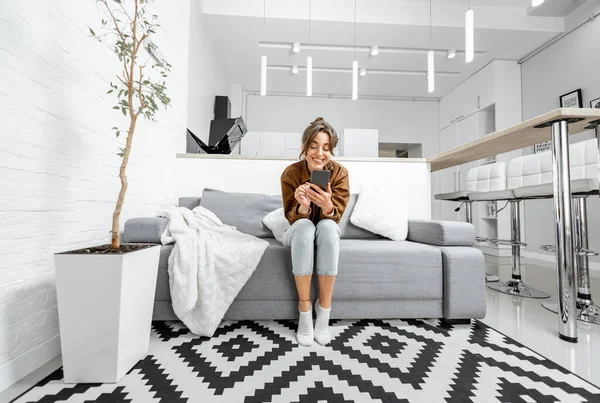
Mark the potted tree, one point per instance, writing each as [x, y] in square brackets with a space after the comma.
[105, 293]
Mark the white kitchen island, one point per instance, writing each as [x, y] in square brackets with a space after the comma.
[255, 174]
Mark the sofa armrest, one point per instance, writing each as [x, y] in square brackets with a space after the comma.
[441, 233]
[144, 229]
[464, 282]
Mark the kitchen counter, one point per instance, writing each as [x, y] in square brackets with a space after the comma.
[528, 133]
[264, 158]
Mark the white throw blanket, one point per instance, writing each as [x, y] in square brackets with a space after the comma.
[209, 265]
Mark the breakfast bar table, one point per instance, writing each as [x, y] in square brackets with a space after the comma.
[555, 126]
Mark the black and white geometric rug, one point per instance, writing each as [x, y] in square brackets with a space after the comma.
[368, 361]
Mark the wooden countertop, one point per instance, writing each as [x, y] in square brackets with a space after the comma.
[264, 158]
[515, 137]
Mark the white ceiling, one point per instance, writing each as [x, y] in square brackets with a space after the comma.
[504, 30]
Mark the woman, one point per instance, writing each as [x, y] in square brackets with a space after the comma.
[314, 216]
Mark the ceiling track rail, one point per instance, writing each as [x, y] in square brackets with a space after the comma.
[559, 37]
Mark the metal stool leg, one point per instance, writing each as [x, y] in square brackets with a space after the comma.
[516, 286]
[489, 278]
[587, 310]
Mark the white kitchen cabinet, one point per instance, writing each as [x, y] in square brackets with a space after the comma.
[361, 143]
[293, 141]
[447, 109]
[485, 83]
[480, 91]
[251, 144]
[272, 144]
[468, 130]
[448, 140]
[467, 101]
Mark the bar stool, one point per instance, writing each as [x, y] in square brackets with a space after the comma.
[463, 198]
[584, 162]
[515, 286]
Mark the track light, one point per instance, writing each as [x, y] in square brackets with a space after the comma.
[430, 72]
[295, 47]
[309, 76]
[355, 80]
[294, 69]
[374, 50]
[469, 36]
[263, 75]
[535, 3]
[363, 72]
[451, 54]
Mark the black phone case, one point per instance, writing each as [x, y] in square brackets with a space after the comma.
[320, 178]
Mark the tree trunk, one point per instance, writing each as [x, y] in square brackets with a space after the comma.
[116, 239]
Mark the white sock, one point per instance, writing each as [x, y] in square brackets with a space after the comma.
[305, 334]
[322, 335]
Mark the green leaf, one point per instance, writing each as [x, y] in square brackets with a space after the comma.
[123, 110]
[115, 107]
[92, 31]
[109, 91]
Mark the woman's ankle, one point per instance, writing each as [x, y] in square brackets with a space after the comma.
[305, 306]
[324, 305]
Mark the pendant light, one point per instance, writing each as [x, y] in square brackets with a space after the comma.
[263, 59]
[309, 59]
[355, 63]
[469, 35]
[430, 60]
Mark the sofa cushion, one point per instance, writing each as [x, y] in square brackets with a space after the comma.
[381, 211]
[244, 211]
[273, 274]
[382, 269]
[189, 202]
[351, 231]
[442, 233]
[276, 222]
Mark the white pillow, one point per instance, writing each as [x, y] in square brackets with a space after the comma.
[277, 223]
[382, 212]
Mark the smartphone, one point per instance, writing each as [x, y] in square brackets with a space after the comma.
[320, 178]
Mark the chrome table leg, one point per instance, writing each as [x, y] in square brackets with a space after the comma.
[567, 314]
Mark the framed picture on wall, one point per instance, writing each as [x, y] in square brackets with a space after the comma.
[571, 99]
[595, 103]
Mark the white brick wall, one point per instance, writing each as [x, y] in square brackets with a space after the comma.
[58, 163]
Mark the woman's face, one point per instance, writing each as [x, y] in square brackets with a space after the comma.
[319, 152]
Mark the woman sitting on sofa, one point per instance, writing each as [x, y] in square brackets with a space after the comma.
[314, 216]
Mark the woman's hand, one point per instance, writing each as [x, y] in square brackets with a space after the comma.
[302, 198]
[321, 198]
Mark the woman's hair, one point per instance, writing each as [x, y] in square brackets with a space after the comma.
[317, 126]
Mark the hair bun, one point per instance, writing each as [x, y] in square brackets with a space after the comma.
[318, 120]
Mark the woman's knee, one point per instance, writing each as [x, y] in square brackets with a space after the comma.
[328, 230]
[303, 231]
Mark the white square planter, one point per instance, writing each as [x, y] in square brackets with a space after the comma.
[105, 305]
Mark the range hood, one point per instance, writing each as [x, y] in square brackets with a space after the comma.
[225, 132]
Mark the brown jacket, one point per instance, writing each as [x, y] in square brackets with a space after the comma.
[297, 174]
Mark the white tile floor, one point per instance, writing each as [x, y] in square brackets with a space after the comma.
[525, 320]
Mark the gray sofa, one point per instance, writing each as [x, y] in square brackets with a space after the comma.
[435, 273]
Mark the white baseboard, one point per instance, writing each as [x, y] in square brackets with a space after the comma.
[23, 365]
[550, 261]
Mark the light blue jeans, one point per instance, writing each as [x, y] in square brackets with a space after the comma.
[302, 237]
